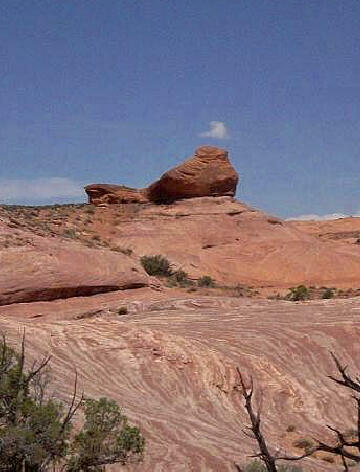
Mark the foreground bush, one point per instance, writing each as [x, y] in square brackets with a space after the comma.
[36, 431]
[106, 438]
[257, 466]
[299, 293]
[156, 265]
[329, 293]
[206, 281]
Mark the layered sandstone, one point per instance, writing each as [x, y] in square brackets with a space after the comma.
[99, 194]
[53, 269]
[171, 365]
[207, 173]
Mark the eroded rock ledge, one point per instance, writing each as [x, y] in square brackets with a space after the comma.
[208, 172]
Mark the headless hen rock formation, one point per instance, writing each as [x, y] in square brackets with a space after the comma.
[207, 173]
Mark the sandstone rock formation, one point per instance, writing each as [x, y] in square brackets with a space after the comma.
[207, 173]
[231, 242]
[99, 194]
[171, 365]
[50, 270]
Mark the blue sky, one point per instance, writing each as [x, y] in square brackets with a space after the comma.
[121, 90]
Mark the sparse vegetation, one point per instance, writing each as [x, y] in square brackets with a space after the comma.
[90, 210]
[156, 265]
[329, 293]
[37, 433]
[304, 443]
[257, 466]
[106, 438]
[206, 281]
[69, 233]
[124, 250]
[346, 445]
[123, 311]
[299, 293]
[180, 278]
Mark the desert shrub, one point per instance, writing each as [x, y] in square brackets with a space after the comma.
[90, 210]
[106, 433]
[304, 443]
[299, 293]
[258, 466]
[291, 428]
[124, 250]
[171, 282]
[36, 430]
[69, 233]
[329, 293]
[123, 311]
[156, 265]
[181, 276]
[206, 281]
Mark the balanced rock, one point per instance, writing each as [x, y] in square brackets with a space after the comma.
[208, 173]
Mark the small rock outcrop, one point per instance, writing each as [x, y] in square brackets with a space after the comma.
[105, 194]
[208, 173]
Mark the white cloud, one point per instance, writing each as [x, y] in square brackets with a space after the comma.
[43, 189]
[331, 216]
[217, 130]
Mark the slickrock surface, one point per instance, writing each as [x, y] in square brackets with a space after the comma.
[233, 243]
[47, 269]
[207, 173]
[64, 252]
[171, 365]
[345, 230]
[171, 361]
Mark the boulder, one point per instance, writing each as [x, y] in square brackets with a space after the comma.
[208, 173]
[103, 194]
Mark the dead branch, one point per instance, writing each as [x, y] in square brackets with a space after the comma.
[256, 433]
[344, 447]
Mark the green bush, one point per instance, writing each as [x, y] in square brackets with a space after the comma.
[299, 293]
[156, 265]
[123, 311]
[258, 466]
[181, 278]
[36, 431]
[206, 281]
[329, 293]
[69, 233]
[304, 443]
[106, 432]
